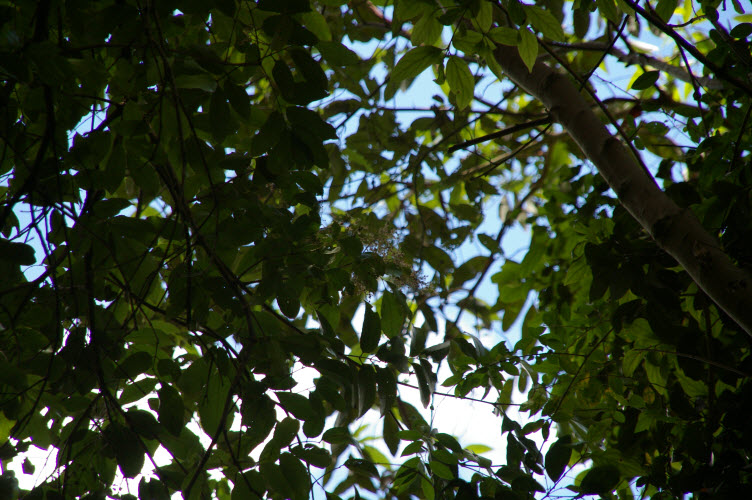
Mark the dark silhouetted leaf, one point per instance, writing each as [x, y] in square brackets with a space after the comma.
[557, 457]
[600, 480]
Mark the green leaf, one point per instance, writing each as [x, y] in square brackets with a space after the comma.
[581, 21]
[412, 448]
[418, 340]
[258, 414]
[6, 425]
[425, 383]
[371, 330]
[468, 42]
[427, 30]
[516, 12]
[366, 388]
[511, 313]
[296, 475]
[201, 81]
[489, 243]
[461, 81]
[360, 466]
[17, 253]
[376, 456]
[269, 134]
[153, 489]
[485, 16]
[390, 430]
[741, 31]
[545, 22]
[317, 24]
[278, 485]
[528, 48]
[665, 9]
[438, 258]
[411, 65]
[127, 448]
[392, 315]
[318, 457]
[239, 99]
[632, 359]
[285, 431]
[136, 391]
[600, 480]
[645, 80]
[336, 54]
[288, 302]
[527, 483]
[558, 456]
[313, 131]
[310, 69]
[222, 123]
[608, 9]
[212, 406]
[505, 36]
[450, 16]
[134, 365]
[248, 485]
[284, 80]
[298, 405]
[441, 470]
[337, 435]
[478, 448]
[171, 409]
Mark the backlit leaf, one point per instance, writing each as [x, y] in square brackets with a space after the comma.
[557, 457]
[646, 80]
[17, 253]
[545, 22]
[371, 330]
[392, 315]
[528, 48]
[460, 80]
[600, 480]
[411, 65]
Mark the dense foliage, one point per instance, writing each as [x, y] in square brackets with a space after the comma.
[200, 199]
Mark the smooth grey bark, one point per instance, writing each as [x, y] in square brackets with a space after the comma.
[676, 230]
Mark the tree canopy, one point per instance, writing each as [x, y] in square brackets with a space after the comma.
[202, 199]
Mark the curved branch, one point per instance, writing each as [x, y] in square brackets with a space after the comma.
[689, 47]
[676, 230]
[644, 60]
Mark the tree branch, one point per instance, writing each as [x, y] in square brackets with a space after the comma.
[676, 230]
[643, 60]
[500, 133]
[689, 47]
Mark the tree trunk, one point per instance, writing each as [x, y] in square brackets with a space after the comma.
[676, 230]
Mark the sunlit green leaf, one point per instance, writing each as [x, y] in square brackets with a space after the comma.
[460, 80]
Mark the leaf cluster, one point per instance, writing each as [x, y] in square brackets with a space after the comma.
[223, 248]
